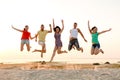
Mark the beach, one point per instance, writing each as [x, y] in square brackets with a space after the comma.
[59, 71]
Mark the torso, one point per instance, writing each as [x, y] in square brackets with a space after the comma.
[42, 35]
[95, 38]
[74, 33]
[25, 35]
[58, 42]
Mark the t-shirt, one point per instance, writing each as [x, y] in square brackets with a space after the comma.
[42, 35]
[25, 35]
[74, 33]
[95, 38]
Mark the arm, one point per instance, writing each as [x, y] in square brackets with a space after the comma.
[81, 34]
[62, 26]
[50, 29]
[36, 37]
[17, 29]
[105, 31]
[89, 27]
[53, 24]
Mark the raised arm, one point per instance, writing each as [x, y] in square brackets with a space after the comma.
[89, 26]
[53, 24]
[81, 34]
[17, 29]
[62, 26]
[50, 28]
[105, 31]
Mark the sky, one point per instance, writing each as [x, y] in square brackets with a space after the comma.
[104, 14]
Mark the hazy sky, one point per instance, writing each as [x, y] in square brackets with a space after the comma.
[104, 14]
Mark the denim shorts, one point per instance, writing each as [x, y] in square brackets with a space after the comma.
[96, 45]
[25, 41]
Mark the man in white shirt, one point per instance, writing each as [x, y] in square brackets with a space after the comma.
[73, 38]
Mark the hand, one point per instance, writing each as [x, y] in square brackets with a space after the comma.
[50, 25]
[12, 26]
[62, 21]
[53, 19]
[85, 40]
[35, 40]
[110, 29]
[88, 21]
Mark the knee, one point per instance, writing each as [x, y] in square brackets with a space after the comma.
[58, 51]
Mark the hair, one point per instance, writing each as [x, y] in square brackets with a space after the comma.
[56, 28]
[93, 27]
[75, 23]
[25, 27]
[42, 25]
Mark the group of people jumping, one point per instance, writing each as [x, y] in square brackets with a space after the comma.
[73, 41]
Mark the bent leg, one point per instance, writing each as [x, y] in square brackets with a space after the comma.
[21, 47]
[59, 51]
[28, 47]
[96, 51]
[92, 51]
[70, 45]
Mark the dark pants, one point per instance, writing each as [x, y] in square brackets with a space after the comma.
[73, 42]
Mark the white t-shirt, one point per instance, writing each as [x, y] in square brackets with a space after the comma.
[74, 33]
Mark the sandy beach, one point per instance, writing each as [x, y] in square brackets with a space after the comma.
[59, 71]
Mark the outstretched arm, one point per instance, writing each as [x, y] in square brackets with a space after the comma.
[89, 27]
[105, 31]
[81, 34]
[17, 29]
[50, 29]
[62, 26]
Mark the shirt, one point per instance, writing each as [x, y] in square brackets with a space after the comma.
[95, 38]
[74, 33]
[42, 35]
[25, 35]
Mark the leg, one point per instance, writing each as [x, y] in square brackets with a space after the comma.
[43, 50]
[60, 52]
[21, 47]
[96, 51]
[77, 46]
[28, 47]
[92, 51]
[70, 45]
[53, 55]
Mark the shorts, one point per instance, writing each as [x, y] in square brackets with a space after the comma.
[96, 45]
[41, 42]
[73, 42]
[25, 41]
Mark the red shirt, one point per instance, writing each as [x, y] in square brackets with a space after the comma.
[25, 35]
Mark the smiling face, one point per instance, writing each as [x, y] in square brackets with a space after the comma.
[94, 29]
[57, 30]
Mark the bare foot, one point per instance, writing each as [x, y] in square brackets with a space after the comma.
[34, 51]
[81, 49]
[65, 51]
[101, 51]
